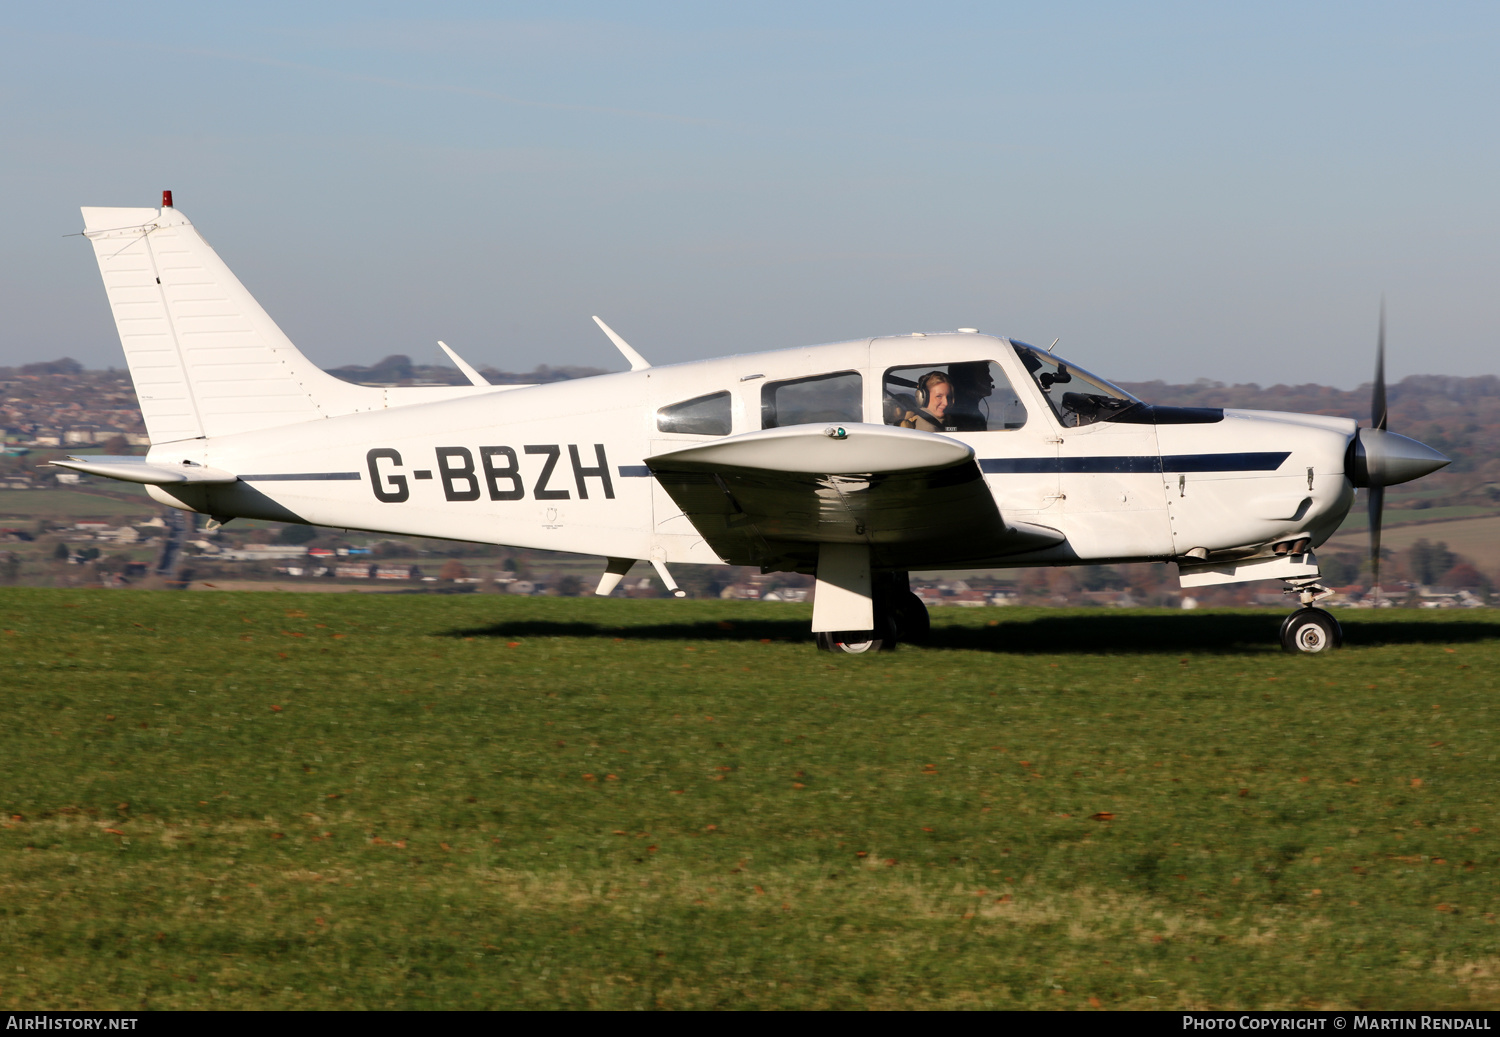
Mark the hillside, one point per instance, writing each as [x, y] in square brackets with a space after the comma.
[1459, 416]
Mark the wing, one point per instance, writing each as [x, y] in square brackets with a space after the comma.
[770, 498]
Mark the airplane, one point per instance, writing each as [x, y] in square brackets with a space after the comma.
[855, 462]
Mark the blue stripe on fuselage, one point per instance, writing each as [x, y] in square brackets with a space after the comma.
[1264, 461]
[302, 477]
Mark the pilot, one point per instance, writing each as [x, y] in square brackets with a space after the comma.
[972, 382]
[934, 400]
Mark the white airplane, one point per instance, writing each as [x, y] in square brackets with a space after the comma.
[854, 461]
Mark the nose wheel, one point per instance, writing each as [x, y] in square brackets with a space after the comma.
[1311, 631]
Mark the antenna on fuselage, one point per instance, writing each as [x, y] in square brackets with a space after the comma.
[637, 362]
[474, 377]
[1054, 344]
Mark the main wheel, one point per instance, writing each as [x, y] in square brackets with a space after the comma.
[854, 642]
[858, 642]
[910, 613]
[1309, 631]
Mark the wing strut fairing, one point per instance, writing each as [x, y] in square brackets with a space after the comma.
[770, 498]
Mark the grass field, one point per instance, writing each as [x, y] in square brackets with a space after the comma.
[59, 504]
[291, 801]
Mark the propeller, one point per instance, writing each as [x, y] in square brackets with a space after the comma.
[1378, 418]
[1379, 458]
[1378, 413]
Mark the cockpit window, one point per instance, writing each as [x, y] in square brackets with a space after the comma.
[1075, 396]
[801, 401]
[964, 396]
[701, 416]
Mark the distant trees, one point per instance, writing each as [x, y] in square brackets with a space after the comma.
[1340, 570]
[1100, 578]
[1464, 576]
[1425, 562]
[398, 369]
[67, 365]
[296, 534]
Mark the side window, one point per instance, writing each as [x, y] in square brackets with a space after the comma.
[701, 416]
[802, 401]
[968, 396]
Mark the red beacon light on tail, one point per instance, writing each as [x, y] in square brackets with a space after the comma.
[166, 199]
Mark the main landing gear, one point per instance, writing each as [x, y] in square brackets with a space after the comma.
[1309, 630]
[899, 615]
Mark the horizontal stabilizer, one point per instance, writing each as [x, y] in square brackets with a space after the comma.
[769, 498]
[135, 469]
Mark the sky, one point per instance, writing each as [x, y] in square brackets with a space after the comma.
[1176, 191]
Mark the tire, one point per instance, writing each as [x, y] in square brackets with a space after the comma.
[853, 643]
[910, 614]
[1311, 631]
[860, 642]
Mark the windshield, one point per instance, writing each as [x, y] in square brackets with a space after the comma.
[1075, 396]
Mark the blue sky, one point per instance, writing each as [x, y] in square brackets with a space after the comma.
[1176, 190]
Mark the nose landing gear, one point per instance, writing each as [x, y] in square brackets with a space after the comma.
[1309, 630]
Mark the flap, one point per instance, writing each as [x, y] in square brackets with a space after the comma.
[770, 498]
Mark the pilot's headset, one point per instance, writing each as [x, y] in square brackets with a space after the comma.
[925, 383]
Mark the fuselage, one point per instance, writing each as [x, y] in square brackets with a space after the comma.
[562, 466]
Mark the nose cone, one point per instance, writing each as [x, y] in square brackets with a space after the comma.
[1382, 458]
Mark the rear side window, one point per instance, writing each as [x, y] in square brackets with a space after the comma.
[701, 416]
[803, 401]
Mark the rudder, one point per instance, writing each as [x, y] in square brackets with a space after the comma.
[206, 360]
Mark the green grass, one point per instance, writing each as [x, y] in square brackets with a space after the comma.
[74, 504]
[346, 801]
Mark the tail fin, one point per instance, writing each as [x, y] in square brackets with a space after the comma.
[205, 358]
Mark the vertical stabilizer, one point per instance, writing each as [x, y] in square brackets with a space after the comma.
[205, 358]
